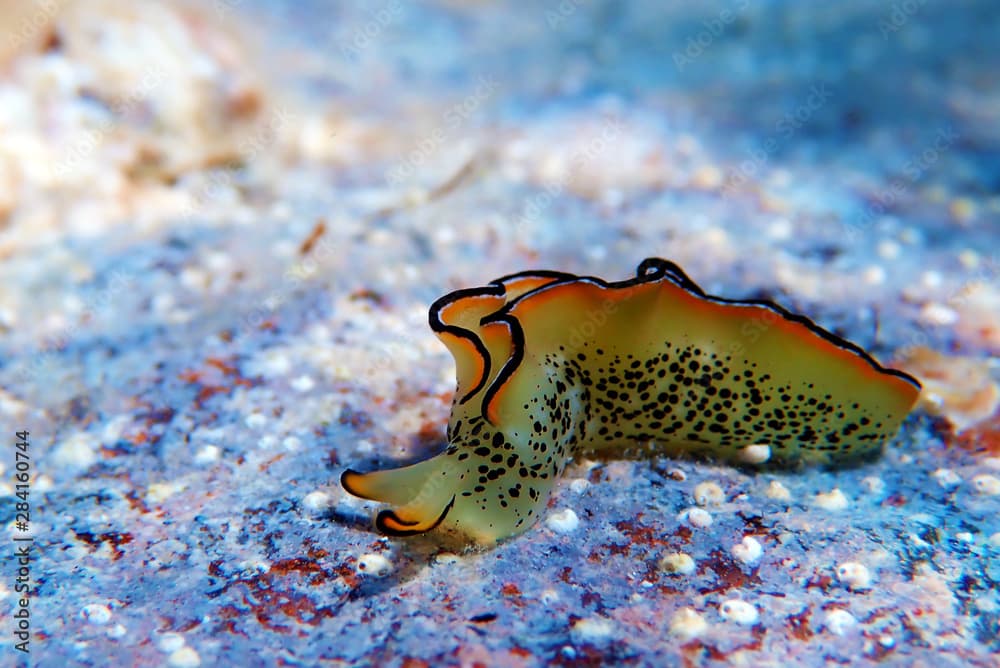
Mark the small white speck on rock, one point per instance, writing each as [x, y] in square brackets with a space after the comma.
[873, 484]
[185, 657]
[708, 494]
[676, 474]
[592, 629]
[947, 477]
[838, 621]
[986, 603]
[170, 642]
[374, 564]
[677, 563]
[255, 420]
[78, 451]
[563, 521]
[696, 517]
[687, 623]
[986, 484]
[208, 454]
[938, 314]
[116, 631]
[778, 492]
[748, 551]
[549, 596]
[833, 500]
[738, 611]
[96, 613]
[888, 249]
[303, 384]
[873, 275]
[317, 502]
[579, 485]
[854, 575]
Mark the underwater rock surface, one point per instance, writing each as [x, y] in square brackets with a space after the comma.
[223, 225]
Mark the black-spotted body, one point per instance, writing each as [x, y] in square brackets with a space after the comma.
[551, 365]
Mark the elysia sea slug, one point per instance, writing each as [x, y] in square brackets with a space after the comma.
[551, 365]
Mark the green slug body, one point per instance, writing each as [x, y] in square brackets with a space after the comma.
[551, 365]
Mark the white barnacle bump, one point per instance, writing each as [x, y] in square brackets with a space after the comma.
[374, 564]
[708, 494]
[592, 629]
[986, 484]
[170, 642]
[185, 657]
[757, 453]
[317, 502]
[677, 563]
[687, 623]
[739, 611]
[873, 484]
[748, 551]
[946, 477]
[255, 420]
[854, 575]
[563, 521]
[696, 517]
[208, 454]
[832, 500]
[96, 613]
[838, 621]
[778, 492]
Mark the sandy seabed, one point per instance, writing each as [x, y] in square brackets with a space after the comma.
[221, 225]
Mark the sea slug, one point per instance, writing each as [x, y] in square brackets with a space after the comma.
[550, 365]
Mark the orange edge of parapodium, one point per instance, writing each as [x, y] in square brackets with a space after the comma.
[526, 308]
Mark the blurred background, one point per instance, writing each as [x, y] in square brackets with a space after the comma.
[222, 222]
